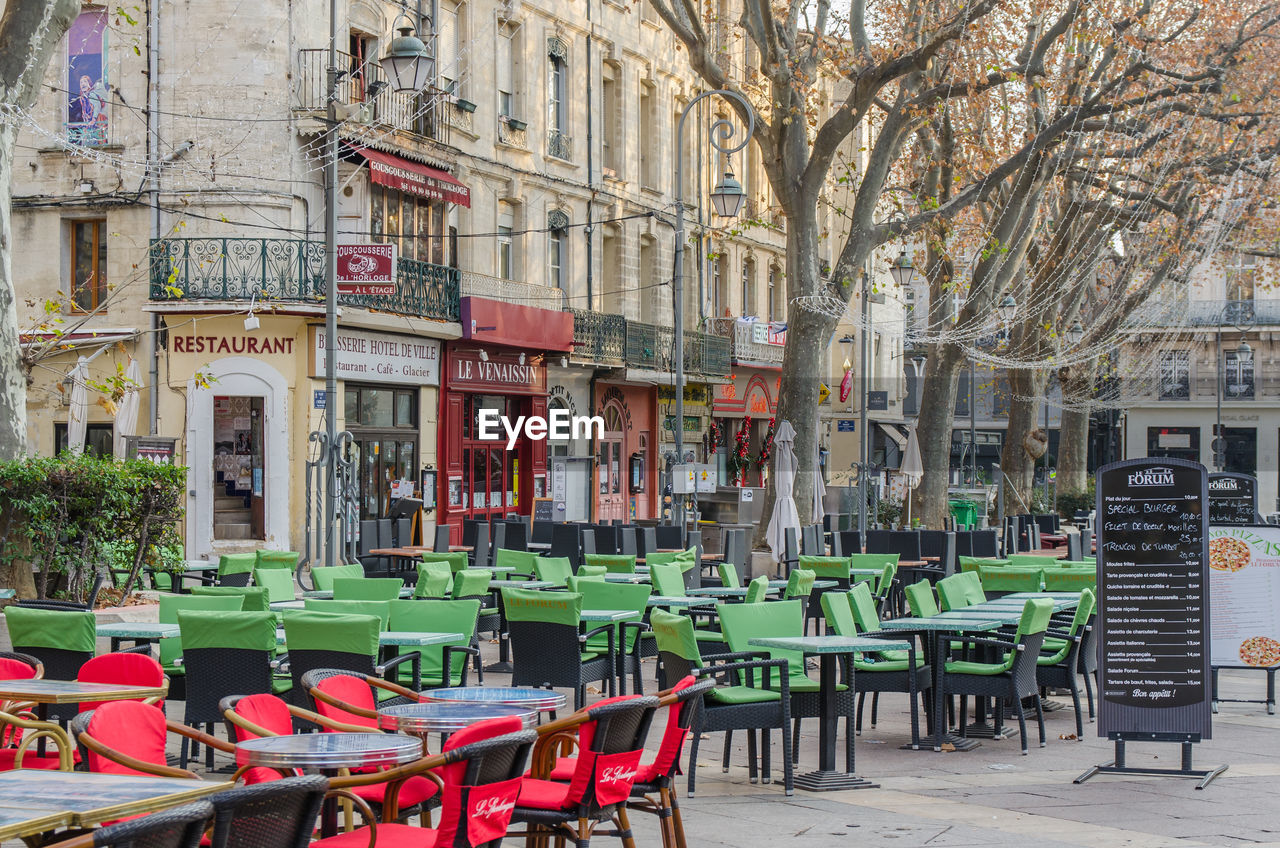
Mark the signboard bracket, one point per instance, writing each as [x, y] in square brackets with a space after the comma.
[1271, 691]
[1118, 766]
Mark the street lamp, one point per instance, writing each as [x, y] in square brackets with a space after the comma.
[727, 198]
[410, 67]
[1008, 308]
[1242, 320]
[1075, 334]
[902, 270]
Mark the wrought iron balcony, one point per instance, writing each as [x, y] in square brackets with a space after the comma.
[599, 337]
[1207, 313]
[747, 347]
[652, 347]
[512, 291]
[244, 269]
[559, 145]
[364, 84]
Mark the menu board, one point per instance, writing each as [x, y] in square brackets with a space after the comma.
[543, 509]
[1153, 616]
[1244, 593]
[1233, 499]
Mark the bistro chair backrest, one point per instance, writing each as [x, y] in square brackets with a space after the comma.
[253, 598]
[236, 569]
[828, 567]
[878, 542]
[171, 605]
[469, 526]
[863, 606]
[612, 563]
[403, 532]
[790, 548]
[345, 688]
[905, 543]
[276, 559]
[1003, 579]
[920, 599]
[669, 536]
[838, 612]
[566, 543]
[225, 653]
[441, 616]
[646, 541]
[15, 666]
[757, 590]
[277, 581]
[443, 534]
[457, 560]
[385, 536]
[323, 576]
[480, 553]
[627, 541]
[1069, 580]
[380, 609]
[497, 539]
[667, 579]
[435, 580]
[61, 639]
[129, 727]
[540, 532]
[983, 543]
[367, 588]
[951, 592]
[516, 537]
[482, 781]
[588, 542]
[121, 669]
[849, 542]
[1031, 559]
[729, 575]
[331, 640]
[472, 583]
[742, 622]
[279, 814]
[177, 827]
[811, 541]
[553, 569]
[799, 584]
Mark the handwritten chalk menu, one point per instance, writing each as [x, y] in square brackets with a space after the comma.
[1153, 563]
[543, 509]
[1244, 596]
[1233, 499]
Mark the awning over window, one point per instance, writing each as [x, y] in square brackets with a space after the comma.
[414, 177]
[894, 433]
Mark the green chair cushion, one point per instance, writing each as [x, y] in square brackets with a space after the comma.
[321, 631]
[236, 564]
[379, 609]
[741, 695]
[367, 588]
[457, 560]
[612, 563]
[252, 631]
[980, 668]
[827, 567]
[554, 570]
[277, 581]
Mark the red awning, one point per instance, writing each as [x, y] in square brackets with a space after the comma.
[414, 178]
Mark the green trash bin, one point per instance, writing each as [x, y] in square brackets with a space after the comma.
[965, 513]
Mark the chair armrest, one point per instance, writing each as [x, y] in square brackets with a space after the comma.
[738, 655]
[280, 663]
[640, 626]
[414, 658]
[990, 643]
[1063, 634]
[200, 736]
[326, 698]
[130, 762]
[747, 665]
[608, 630]
[327, 723]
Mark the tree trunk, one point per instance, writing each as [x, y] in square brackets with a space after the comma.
[1073, 439]
[933, 428]
[13, 377]
[1027, 388]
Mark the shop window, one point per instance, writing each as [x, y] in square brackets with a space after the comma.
[506, 246]
[1237, 376]
[88, 283]
[1174, 442]
[379, 406]
[99, 439]
[1175, 375]
[415, 225]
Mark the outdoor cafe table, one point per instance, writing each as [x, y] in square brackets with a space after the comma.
[446, 717]
[828, 649]
[327, 753]
[327, 594]
[940, 627]
[615, 577]
[543, 700]
[34, 801]
[728, 591]
[138, 632]
[44, 691]
[503, 665]
[679, 601]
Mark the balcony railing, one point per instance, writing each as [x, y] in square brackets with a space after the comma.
[512, 291]
[244, 269]
[744, 345]
[365, 84]
[511, 136]
[559, 145]
[652, 347]
[599, 337]
[1207, 313]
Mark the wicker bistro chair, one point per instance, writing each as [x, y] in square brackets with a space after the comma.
[348, 700]
[322, 577]
[740, 705]
[17, 718]
[61, 640]
[853, 613]
[171, 647]
[553, 569]
[177, 827]
[1012, 677]
[435, 580]
[824, 568]
[225, 653]
[1000, 580]
[547, 648]
[348, 642]
[960, 590]
[457, 560]
[1059, 658]
[610, 737]
[123, 668]
[253, 598]
[129, 737]
[480, 770]
[280, 814]
[277, 581]
[256, 716]
[622, 596]
[613, 563]
[287, 560]
[442, 616]
[236, 569]
[473, 584]
[743, 622]
[367, 588]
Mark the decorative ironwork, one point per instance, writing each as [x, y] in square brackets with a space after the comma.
[557, 220]
[599, 337]
[557, 48]
[512, 137]
[1207, 313]
[365, 84]
[513, 291]
[559, 145]
[652, 347]
[242, 269]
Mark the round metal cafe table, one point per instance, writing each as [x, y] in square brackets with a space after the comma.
[447, 716]
[543, 700]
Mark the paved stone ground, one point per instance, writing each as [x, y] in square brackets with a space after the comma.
[992, 796]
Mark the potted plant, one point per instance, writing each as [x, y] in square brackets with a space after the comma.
[516, 124]
[464, 105]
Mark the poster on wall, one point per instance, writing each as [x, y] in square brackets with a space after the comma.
[1244, 596]
[88, 90]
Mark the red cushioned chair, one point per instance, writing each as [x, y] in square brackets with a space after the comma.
[480, 769]
[610, 736]
[123, 669]
[353, 698]
[254, 716]
[128, 737]
[16, 718]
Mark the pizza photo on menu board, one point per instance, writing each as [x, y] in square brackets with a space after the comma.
[1244, 596]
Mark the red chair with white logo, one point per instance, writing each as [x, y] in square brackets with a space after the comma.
[480, 768]
[610, 738]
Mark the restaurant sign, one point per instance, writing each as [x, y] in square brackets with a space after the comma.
[379, 357]
[368, 269]
[496, 371]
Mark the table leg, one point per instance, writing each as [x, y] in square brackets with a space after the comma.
[826, 778]
[983, 729]
[329, 811]
[941, 733]
[503, 665]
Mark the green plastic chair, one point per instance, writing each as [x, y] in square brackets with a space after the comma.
[920, 599]
[884, 587]
[1009, 579]
[592, 571]
[742, 622]
[322, 577]
[841, 610]
[757, 590]
[457, 560]
[667, 580]
[620, 596]
[737, 706]
[435, 580]
[577, 581]
[277, 581]
[1010, 678]
[276, 559]
[522, 561]
[1031, 559]
[236, 569]
[253, 598]
[799, 585]
[972, 586]
[612, 563]
[472, 583]
[63, 640]
[661, 558]
[952, 594]
[367, 588]
[380, 610]
[323, 637]
[877, 561]
[1059, 660]
[1063, 580]
[968, 563]
[544, 631]
[827, 567]
[729, 576]
[171, 647]
[439, 616]
[554, 570]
